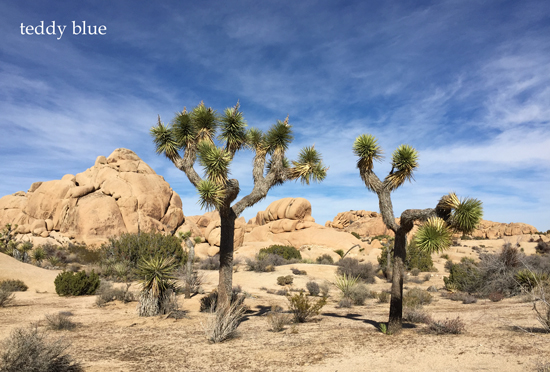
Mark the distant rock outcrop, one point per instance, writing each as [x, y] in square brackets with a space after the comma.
[118, 194]
[368, 224]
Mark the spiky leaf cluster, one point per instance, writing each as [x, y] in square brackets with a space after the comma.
[278, 137]
[184, 132]
[233, 131]
[215, 161]
[404, 162]
[309, 166]
[165, 142]
[157, 274]
[368, 150]
[434, 235]
[211, 194]
[205, 121]
[466, 216]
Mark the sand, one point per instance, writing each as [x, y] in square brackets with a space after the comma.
[499, 336]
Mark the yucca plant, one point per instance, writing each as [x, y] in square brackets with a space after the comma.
[434, 235]
[158, 285]
[345, 284]
[191, 136]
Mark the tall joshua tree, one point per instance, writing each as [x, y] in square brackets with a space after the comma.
[438, 224]
[191, 136]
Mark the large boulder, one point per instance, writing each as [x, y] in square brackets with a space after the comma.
[118, 194]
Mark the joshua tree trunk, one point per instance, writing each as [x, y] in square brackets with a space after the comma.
[228, 217]
[396, 305]
[189, 268]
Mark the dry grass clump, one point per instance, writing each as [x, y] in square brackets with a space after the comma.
[313, 288]
[13, 285]
[28, 350]
[447, 326]
[461, 296]
[416, 297]
[277, 320]
[359, 293]
[106, 293]
[6, 297]
[60, 321]
[383, 297]
[222, 323]
[416, 315]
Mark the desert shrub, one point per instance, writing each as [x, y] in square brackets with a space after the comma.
[325, 289]
[538, 263]
[59, 321]
[313, 288]
[210, 263]
[529, 279]
[356, 235]
[427, 277]
[38, 255]
[353, 268]
[84, 255]
[495, 296]
[416, 315]
[6, 297]
[418, 258]
[416, 297]
[223, 322]
[209, 302]
[339, 252]
[445, 256]
[303, 308]
[13, 285]
[447, 326]
[28, 350]
[541, 305]
[132, 248]
[415, 271]
[384, 297]
[542, 247]
[296, 271]
[193, 281]
[448, 265]
[265, 262]
[277, 320]
[325, 259]
[359, 293]
[464, 276]
[76, 284]
[285, 280]
[287, 252]
[461, 296]
[345, 302]
[106, 293]
[432, 288]
[345, 283]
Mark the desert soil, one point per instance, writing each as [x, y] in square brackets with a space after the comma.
[499, 336]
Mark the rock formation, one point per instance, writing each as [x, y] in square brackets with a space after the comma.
[368, 224]
[118, 194]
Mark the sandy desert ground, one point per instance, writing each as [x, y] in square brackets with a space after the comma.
[500, 336]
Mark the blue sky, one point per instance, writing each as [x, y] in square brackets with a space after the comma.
[467, 83]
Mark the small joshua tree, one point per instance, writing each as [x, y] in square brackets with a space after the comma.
[450, 214]
[194, 134]
[158, 285]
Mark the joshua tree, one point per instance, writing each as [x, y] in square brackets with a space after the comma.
[194, 134]
[158, 285]
[435, 234]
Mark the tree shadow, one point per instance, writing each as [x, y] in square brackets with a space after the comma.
[374, 323]
[261, 311]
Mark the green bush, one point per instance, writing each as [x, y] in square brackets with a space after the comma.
[418, 258]
[13, 285]
[464, 276]
[416, 297]
[356, 235]
[132, 248]
[285, 280]
[353, 268]
[340, 253]
[265, 262]
[302, 308]
[285, 251]
[325, 259]
[76, 284]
